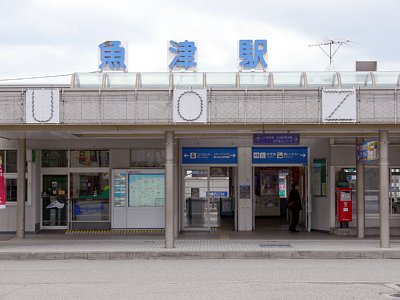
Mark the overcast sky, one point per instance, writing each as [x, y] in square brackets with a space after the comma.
[62, 36]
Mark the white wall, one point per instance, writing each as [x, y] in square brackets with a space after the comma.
[319, 148]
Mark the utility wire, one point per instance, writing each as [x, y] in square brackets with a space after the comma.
[40, 77]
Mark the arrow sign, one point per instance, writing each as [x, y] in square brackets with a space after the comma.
[280, 155]
[209, 155]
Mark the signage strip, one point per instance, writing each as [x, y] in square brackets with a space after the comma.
[209, 156]
[280, 155]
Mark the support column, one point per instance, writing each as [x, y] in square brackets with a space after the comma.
[384, 189]
[21, 162]
[176, 189]
[360, 195]
[169, 189]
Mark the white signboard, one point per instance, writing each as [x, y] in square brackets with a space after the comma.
[190, 106]
[339, 105]
[42, 106]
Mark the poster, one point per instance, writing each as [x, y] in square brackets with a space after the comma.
[146, 190]
[368, 151]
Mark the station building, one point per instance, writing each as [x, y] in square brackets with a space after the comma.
[201, 151]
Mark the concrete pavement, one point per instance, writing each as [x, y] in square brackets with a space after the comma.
[219, 245]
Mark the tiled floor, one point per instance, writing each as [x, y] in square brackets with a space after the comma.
[191, 242]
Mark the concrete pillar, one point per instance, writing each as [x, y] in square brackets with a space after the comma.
[245, 212]
[176, 189]
[21, 162]
[169, 189]
[384, 189]
[360, 196]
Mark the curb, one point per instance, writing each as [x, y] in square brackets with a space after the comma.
[176, 254]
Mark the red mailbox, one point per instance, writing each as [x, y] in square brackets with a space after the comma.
[344, 204]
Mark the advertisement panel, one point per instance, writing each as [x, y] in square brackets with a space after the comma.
[368, 151]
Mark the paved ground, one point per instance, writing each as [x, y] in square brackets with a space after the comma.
[200, 279]
[195, 245]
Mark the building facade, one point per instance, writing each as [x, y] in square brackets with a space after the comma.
[180, 150]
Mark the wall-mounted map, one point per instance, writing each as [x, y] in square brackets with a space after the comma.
[146, 190]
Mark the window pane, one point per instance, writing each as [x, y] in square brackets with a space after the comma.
[89, 158]
[90, 196]
[355, 79]
[188, 79]
[322, 79]
[11, 189]
[120, 80]
[87, 80]
[346, 177]
[54, 159]
[371, 202]
[11, 185]
[395, 191]
[387, 79]
[288, 79]
[145, 157]
[221, 79]
[11, 161]
[252, 79]
[371, 178]
[2, 158]
[154, 80]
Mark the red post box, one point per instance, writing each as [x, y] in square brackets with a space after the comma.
[344, 204]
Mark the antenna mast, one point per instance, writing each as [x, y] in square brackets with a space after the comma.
[333, 44]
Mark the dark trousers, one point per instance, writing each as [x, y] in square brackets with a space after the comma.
[294, 219]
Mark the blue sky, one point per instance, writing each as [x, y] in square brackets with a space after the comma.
[46, 37]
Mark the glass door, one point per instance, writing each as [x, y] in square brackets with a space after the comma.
[196, 200]
[54, 201]
[395, 191]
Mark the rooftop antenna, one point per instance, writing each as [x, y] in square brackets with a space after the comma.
[334, 45]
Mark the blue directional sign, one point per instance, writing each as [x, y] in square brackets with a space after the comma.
[276, 139]
[272, 155]
[209, 155]
[218, 194]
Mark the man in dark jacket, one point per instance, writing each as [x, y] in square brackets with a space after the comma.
[294, 205]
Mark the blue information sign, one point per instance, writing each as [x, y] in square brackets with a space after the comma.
[209, 155]
[218, 194]
[289, 155]
[276, 139]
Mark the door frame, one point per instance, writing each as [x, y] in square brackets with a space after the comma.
[307, 193]
[234, 177]
[182, 204]
[58, 173]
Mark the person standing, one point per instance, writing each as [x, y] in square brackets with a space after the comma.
[294, 205]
